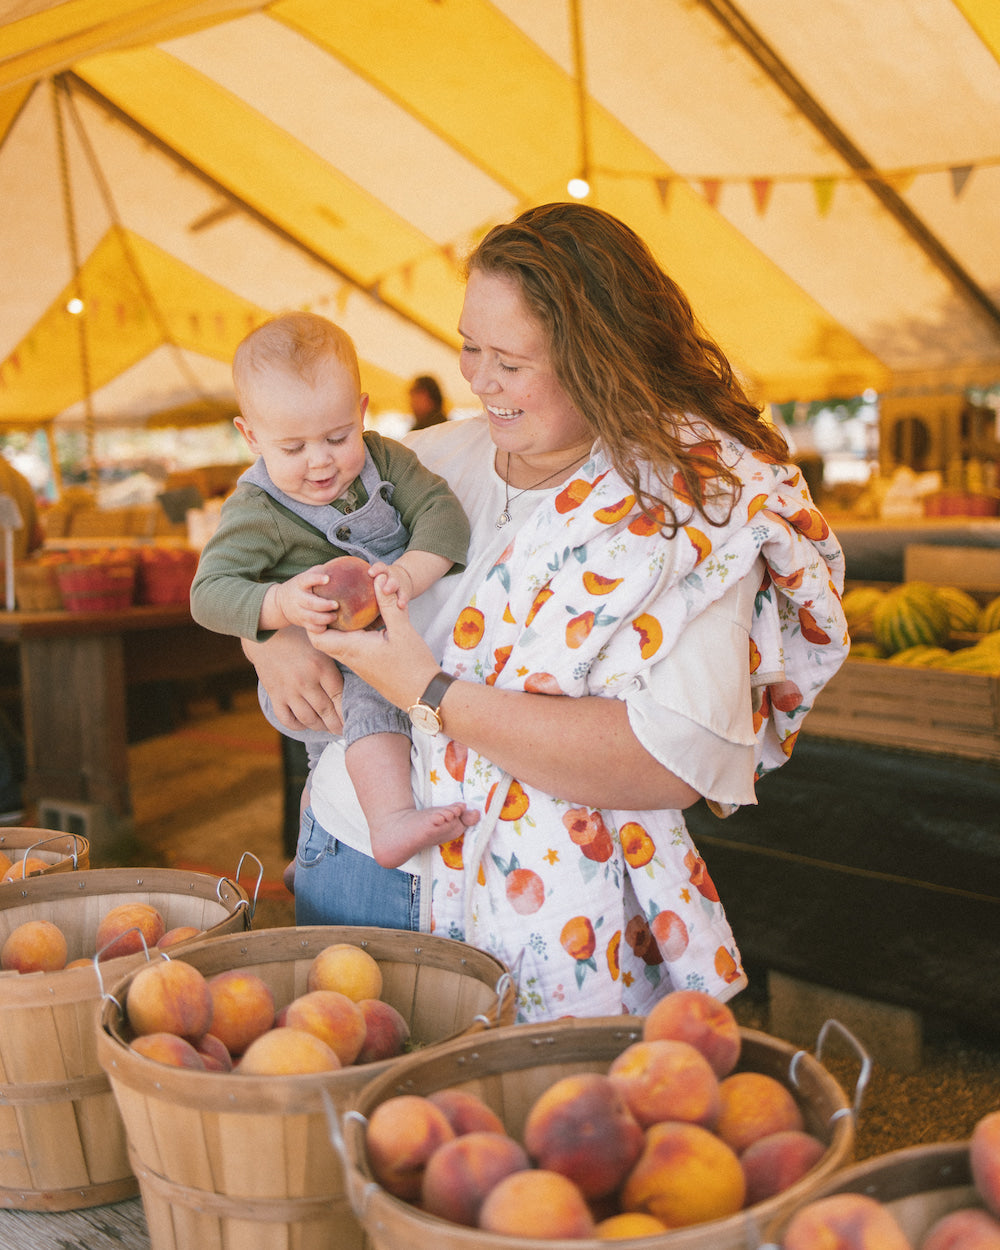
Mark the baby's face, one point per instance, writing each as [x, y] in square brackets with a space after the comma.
[308, 432]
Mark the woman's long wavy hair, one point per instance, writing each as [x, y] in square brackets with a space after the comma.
[626, 347]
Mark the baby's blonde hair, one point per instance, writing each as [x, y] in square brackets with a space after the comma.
[297, 342]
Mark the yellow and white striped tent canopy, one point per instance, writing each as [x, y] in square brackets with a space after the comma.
[822, 179]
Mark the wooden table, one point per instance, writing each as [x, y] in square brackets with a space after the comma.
[76, 668]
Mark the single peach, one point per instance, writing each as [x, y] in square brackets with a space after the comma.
[581, 1127]
[774, 1163]
[5, 863]
[969, 1228]
[169, 996]
[755, 1105]
[984, 1159]
[685, 1175]
[34, 946]
[348, 969]
[466, 1111]
[287, 1052]
[536, 1203]
[128, 928]
[386, 1031]
[180, 933]
[402, 1134]
[461, 1172]
[629, 1224]
[168, 1048]
[850, 1221]
[214, 1054]
[667, 1080]
[334, 1017]
[353, 590]
[696, 1017]
[242, 1008]
[27, 866]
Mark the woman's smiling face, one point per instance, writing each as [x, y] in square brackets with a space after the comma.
[505, 360]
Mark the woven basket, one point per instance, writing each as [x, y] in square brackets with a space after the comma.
[97, 587]
[230, 1160]
[62, 852]
[919, 1185]
[63, 1141]
[510, 1068]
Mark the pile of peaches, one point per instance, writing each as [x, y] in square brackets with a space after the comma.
[859, 1221]
[669, 1136]
[125, 929]
[229, 1022]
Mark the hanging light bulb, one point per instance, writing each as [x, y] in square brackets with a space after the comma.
[75, 306]
[579, 188]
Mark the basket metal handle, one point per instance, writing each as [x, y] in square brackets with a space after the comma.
[57, 837]
[864, 1074]
[260, 877]
[359, 1195]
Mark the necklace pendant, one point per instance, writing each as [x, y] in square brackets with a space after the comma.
[503, 519]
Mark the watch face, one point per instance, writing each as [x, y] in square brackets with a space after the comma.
[425, 718]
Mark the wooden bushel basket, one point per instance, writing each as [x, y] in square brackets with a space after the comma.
[63, 1143]
[224, 1159]
[511, 1068]
[918, 1184]
[63, 852]
[247, 1161]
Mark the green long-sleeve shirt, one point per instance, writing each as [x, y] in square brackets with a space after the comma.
[259, 542]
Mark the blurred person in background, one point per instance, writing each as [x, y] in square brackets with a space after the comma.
[426, 403]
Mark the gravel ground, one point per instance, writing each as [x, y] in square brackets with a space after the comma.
[957, 1084]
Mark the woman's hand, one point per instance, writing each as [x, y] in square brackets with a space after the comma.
[394, 660]
[302, 683]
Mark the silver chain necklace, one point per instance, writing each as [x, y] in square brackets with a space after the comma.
[504, 517]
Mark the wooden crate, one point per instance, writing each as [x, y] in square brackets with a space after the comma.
[921, 709]
[976, 569]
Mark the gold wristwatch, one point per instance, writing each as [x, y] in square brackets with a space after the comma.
[425, 714]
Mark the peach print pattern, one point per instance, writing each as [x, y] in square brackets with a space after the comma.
[605, 911]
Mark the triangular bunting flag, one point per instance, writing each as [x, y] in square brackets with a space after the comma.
[663, 190]
[823, 189]
[710, 189]
[960, 175]
[900, 181]
[761, 188]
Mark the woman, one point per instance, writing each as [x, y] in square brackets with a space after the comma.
[637, 544]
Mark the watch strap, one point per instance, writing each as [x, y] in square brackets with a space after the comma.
[435, 691]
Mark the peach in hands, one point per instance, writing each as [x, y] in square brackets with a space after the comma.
[461, 1172]
[685, 1175]
[854, 1221]
[582, 1128]
[353, 590]
[755, 1105]
[699, 1018]
[169, 996]
[539, 1204]
[402, 1134]
[667, 1080]
[34, 946]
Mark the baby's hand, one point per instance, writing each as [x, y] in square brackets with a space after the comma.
[298, 604]
[394, 581]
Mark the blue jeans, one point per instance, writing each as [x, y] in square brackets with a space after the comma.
[334, 884]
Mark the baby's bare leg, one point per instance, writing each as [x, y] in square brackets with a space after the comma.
[379, 767]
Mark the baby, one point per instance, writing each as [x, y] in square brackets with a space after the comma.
[322, 486]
